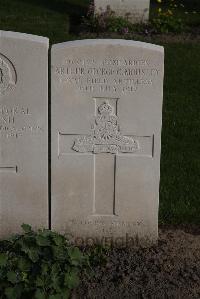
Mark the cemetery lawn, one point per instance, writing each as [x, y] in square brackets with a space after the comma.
[41, 17]
[180, 162]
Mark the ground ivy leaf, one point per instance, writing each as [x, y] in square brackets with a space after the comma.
[39, 294]
[39, 282]
[54, 296]
[59, 253]
[43, 241]
[12, 277]
[24, 265]
[10, 293]
[3, 259]
[55, 269]
[26, 228]
[33, 255]
[45, 268]
[59, 240]
[65, 294]
[75, 255]
[71, 279]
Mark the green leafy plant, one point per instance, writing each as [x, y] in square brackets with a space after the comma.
[166, 24]
[166, 19]
[98, 255]
[39, 265]
[105, 21]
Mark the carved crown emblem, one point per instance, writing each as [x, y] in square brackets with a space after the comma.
[106, 136]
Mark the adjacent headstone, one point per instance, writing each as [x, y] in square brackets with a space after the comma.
[106, 139]
[137, 11]
[23, 131]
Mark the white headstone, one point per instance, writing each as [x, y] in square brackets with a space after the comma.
[136, 11]
[23, 131]
[106, 138]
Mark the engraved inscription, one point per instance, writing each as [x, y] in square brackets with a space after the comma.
[102, 222]
[16, 121]
[8, 77]
[110, 75]
[106, 136]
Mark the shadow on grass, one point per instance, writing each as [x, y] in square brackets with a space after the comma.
[75, 9]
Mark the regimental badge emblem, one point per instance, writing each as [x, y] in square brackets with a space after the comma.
[106, 136]
[8, 76]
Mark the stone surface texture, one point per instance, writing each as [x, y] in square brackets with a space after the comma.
[106, 139]
[136, 10]
[23, 131]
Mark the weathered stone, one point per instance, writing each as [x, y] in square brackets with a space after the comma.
[23, 131]
[136, 11]
[106, 136]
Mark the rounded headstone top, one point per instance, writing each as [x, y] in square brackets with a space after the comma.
[114, 42]
[24, 36]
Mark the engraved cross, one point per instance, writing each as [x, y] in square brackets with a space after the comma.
[12, 169]
[107, 143]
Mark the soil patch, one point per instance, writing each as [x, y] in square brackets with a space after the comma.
[170, 269]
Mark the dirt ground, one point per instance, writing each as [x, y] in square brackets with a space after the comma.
[169, 270]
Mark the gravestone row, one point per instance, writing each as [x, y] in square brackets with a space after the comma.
[136, 11]
[23, 131]
[106, 137]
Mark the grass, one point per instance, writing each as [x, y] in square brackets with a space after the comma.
[190, 13]
[55, 19]
[180, 163]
